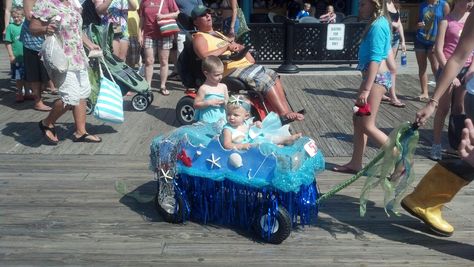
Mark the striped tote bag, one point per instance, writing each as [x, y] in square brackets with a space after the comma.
[109, 106]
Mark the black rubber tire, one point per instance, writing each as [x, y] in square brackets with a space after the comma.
[185, 110]
[283, 225]
[140, 102]
[180, 213]
[151, 97]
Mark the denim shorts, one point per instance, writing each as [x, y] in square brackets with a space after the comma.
[395, 39]
[17, 71]
[420, 46]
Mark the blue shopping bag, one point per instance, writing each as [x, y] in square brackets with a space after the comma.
[109, 106]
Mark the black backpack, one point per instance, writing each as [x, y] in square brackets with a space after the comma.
[189, 67]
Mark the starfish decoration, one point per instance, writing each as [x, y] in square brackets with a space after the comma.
[166, 175]
[236, 100]
[214, 161]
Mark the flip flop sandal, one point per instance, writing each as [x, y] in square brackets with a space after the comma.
[84, 139]
[424, 99]
[285, 120]
[398, 104]
[164, 91]
[43, 129]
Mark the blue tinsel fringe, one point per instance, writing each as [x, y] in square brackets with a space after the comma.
[228, 203]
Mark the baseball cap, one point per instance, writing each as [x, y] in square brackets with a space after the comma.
[199, 11]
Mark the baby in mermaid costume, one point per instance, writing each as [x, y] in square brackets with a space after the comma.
[240, 133]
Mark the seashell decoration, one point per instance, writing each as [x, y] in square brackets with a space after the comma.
[235, 160]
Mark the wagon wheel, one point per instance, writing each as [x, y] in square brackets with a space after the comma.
[273, 228]
[169, 203]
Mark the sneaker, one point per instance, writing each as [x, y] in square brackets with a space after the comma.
[19, 98]
[435, 153]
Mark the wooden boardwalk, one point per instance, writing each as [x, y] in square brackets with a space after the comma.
[61, 205]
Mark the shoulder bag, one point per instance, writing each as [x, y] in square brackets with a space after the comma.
[168, 27]
[109, 106]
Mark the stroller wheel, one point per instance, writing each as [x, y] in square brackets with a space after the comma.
[150, 96]
[140, 102]
[185, 110]
[89, 107]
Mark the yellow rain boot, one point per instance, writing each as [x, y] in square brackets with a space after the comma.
[436, 188]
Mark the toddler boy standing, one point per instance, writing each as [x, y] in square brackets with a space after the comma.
[15, 51]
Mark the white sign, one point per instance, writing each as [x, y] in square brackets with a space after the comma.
[311, 148]
[335, 37]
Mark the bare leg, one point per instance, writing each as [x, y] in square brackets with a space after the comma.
[164, 55]
[120, 49]
[123, 50]
[433, 62]
[149, 61]
[440, 116]
[57, 111]
[79, 113]
[458, 102]
[19, 86]
[36, 89]
[423, 76]
[277, 99]
[290, 139]
[52, 88]
[392, 67]
[364, 128]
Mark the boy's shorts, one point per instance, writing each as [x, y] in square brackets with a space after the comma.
[17, 71]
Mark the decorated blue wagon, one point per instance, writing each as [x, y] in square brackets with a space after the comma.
[268, 188]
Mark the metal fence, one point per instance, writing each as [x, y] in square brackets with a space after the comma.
[292, 43]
